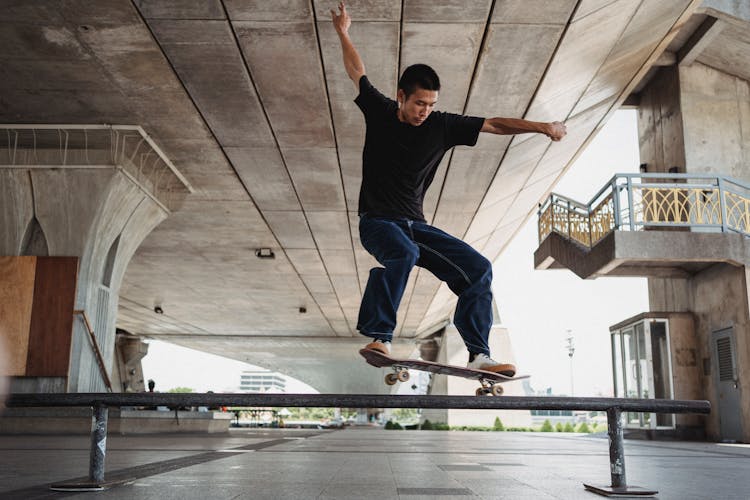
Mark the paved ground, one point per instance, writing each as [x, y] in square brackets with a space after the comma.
[370, 463]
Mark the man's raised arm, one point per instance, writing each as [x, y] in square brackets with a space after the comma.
[355, 68]
[511, 126]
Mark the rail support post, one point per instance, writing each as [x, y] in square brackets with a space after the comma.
[618, 485]
[98, 444]
[96, 455]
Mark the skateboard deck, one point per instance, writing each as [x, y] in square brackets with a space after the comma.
[401, 374]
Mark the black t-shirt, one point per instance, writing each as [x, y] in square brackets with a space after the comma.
[399, 160]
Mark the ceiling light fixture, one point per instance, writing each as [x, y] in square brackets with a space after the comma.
[265, 253]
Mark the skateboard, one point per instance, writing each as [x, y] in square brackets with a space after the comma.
[490, 381]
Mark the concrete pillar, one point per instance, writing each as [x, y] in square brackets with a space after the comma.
[453, 351]
[127, 375]
[716, 116]
[94, 197]
[697, 118]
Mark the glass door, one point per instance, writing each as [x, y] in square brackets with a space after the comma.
[641, 367]
[660, 364]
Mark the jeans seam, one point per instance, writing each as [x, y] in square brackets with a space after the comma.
[446, 259]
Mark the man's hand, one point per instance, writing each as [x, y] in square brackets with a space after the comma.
[556, 130]
[512, 126]
[342, 21]
[355, 68]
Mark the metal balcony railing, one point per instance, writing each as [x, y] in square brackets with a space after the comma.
[632, 202]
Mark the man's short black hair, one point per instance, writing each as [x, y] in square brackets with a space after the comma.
[418, 76]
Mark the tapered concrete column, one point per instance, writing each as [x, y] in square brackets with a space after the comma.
[127, 376]
[453, 351]
[94, 195]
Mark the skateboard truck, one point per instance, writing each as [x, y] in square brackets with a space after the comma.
[489, 388]
[400, 374]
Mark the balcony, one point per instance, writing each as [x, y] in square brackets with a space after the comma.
[659, 225]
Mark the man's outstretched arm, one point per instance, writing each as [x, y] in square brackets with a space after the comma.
[355, 68]
[512, 126]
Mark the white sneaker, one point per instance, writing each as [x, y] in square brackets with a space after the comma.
[380, 346]
[486, 363]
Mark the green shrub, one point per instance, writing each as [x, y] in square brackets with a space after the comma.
[546, 427]
[471, 428]
[498, 425]
[559, 427]
[584, 428]
[397, 427]
[389, 425]
[568, 427]
[426, 425]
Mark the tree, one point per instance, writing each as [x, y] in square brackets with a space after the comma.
[498, 425]
[546, 427]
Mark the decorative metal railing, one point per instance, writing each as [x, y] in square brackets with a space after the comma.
[632, 202]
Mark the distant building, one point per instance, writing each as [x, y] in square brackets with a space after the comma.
[262, 381]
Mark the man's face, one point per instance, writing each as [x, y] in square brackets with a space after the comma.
[417, 107]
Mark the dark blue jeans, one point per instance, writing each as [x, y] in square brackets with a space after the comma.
[399, 245]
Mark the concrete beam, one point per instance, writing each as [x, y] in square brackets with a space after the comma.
[621, 253]
[706, 33]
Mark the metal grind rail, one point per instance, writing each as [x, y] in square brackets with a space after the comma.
[100, 403]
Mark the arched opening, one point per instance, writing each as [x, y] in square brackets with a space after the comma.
[34, 241]
[109, 264]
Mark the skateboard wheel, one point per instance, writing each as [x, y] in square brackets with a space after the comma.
[391, 379]
[497, 390]
[481, 391]
[403, 375]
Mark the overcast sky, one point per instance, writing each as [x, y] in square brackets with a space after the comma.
[538, 307]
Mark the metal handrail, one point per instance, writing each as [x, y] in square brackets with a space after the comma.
[100, 402]
[356, 401]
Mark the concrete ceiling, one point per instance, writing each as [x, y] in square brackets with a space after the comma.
[250, 101]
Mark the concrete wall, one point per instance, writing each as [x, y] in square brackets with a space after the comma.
[96, 214]
[119, 421]
[718, 299]
[716, 115]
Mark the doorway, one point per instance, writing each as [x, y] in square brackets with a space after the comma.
[726, 381]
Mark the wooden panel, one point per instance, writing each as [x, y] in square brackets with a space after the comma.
[16, 295]
[52, 317]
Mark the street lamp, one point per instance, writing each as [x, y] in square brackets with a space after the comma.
[570, 345]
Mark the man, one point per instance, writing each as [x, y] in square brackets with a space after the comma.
[404, 143]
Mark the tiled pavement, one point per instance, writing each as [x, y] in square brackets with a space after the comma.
[372, 463]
